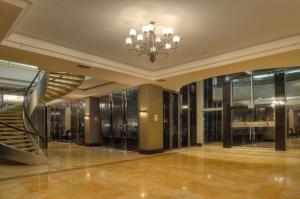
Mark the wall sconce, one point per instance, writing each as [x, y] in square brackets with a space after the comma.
[86, 117]
[143, 112]
[185, 107]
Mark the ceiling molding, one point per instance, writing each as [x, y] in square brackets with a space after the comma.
[34, 45]
[257, 51]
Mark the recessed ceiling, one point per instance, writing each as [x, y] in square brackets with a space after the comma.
[207, 28]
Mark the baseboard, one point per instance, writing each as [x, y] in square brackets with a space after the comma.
[92, 145]
[198, 144]
[269, 140]
[150, 152]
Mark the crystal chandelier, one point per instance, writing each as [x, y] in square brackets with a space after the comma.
[150, 44]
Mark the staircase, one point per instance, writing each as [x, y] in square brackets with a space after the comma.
[19, 139]
[60, 84]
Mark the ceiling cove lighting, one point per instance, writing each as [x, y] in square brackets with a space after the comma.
[150, 44]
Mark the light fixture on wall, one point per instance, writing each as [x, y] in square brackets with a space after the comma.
[150, 44]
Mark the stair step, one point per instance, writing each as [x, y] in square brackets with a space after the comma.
[13, 136]
[66, 75]
[56, 92]
[15, 141]
[12, 122]
[22, 145]
[20, 125]
[65, 79]
[60, 87]
[51, 94]
[10, 117]
[60, 82]
[12, 132]
[62, 91]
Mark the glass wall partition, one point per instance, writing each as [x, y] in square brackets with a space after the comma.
[241, 91]
[253, 103]
[212, 110]
[293, 107]
[252, 112]
[77, 121]
[193, 114]
[170, 120]
[174, 118]
[166, 120]
[119, 119]
[106, 120]
[184, 95]
[131, 119]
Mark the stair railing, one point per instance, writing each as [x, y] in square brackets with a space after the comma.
[32, 97]
[5, 96]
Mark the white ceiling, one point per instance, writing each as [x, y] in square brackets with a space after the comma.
[207, 28]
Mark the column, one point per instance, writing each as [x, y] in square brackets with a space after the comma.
[199, 112]
[151, 119]
[92, 121]
[227, 135]
[280, 112]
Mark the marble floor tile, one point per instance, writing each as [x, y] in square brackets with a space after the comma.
[196, 172]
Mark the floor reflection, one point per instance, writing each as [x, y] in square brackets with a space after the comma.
[207, 172]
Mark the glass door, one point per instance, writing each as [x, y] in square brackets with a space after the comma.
[184, 91]
[166, 120]
[174, 119]
[118, 114]
[213, 133]
[132, 121]
[106, 117]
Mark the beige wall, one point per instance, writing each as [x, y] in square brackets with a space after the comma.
[151, 117]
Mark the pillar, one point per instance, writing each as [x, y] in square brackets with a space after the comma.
[92, 121]
[227, 134]
[280, 112]
[199, 112]
[150, 119]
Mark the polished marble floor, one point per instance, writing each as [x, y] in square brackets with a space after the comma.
[206, 172]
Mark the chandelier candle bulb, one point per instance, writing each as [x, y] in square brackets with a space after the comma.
[168, 46]
[128, 41]
[176, 39]
[151, 43]
[132, 32]
[140, 37]
[151, 27]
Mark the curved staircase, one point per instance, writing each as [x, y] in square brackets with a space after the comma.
[19, 139]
